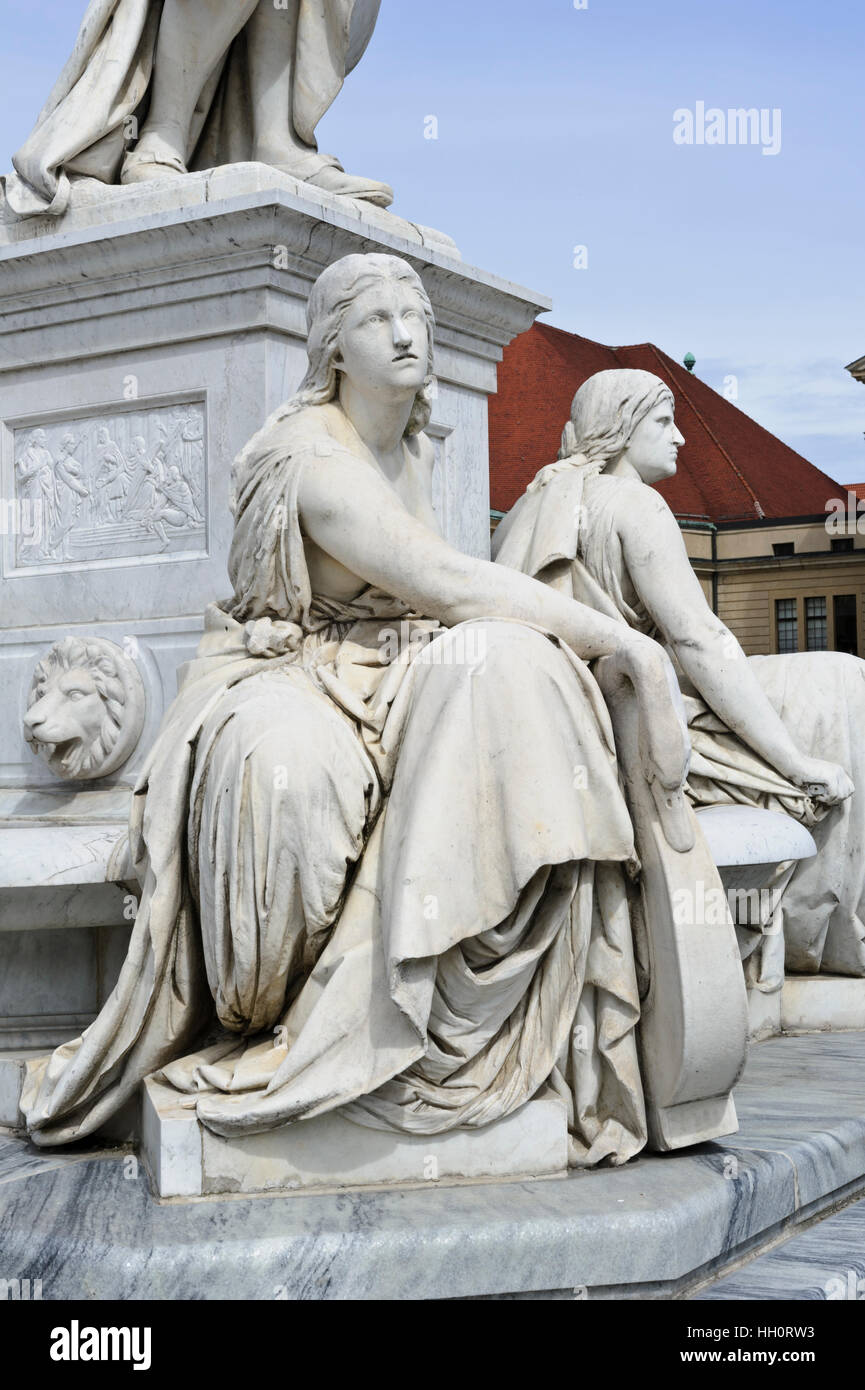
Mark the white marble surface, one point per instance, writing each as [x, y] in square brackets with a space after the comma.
[12, 1064]
[185, 1160]
[764, 1014]
[95, 205]
[56, 855]
[822, 1003]
[744, 835]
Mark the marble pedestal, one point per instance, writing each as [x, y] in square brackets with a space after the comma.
[808, 1004]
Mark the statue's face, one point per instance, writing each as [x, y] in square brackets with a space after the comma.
[655, 444]
[384, 342]
[68, 709]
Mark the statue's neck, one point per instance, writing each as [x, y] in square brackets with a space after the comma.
[622, 468]
[379, 423]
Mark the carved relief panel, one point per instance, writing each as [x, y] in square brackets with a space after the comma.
[92, 489]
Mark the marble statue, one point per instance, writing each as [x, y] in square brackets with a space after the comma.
[86, 707]
[778, 732]
[197, 83]
[383, 848]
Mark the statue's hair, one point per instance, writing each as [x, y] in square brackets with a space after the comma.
[607, 410]
[332, 296]
[75, 653]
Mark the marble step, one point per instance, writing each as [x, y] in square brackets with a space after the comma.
[827, 1261]
[86, 1222]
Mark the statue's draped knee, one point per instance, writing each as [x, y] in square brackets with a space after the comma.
[284, 816]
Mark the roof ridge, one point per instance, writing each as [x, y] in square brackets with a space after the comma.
[712, 435]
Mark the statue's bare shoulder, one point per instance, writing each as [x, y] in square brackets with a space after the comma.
[644, 522]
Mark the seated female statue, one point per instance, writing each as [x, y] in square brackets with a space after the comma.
[780, 732]
[381, 837]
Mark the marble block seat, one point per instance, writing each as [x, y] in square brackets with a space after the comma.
[751, 846]
[756, 852]
[330, 1152]
[64, 925]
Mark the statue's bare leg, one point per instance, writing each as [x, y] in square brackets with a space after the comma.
[193, 36]
[271, 46]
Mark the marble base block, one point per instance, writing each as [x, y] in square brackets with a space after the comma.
[764, 1014]
[330, 1151]
[822, 1004]
[13, 1064]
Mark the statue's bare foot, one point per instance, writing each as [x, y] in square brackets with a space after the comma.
[154, 157]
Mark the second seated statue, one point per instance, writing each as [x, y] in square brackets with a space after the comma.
[777, 732]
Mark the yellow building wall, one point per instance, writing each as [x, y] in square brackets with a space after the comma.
[747, 597]
[743, 578]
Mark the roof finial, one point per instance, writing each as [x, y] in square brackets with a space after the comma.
[690, 361]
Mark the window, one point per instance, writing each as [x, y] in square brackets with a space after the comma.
[843, 546]
[784, 548]
[846, 626]
[816, 630]
[788, 625]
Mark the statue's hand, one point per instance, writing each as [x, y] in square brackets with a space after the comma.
[824, 782]
[665, 747]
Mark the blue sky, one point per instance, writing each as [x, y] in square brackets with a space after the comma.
[555, 130]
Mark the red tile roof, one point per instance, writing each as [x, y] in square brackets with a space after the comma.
[731, 469]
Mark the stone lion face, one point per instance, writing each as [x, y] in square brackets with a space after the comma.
[86, 708]
[69, 707]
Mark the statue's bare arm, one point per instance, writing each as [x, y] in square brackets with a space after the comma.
[355, 517]
[708, 653]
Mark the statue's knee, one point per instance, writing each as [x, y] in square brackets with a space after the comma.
[502, 647]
